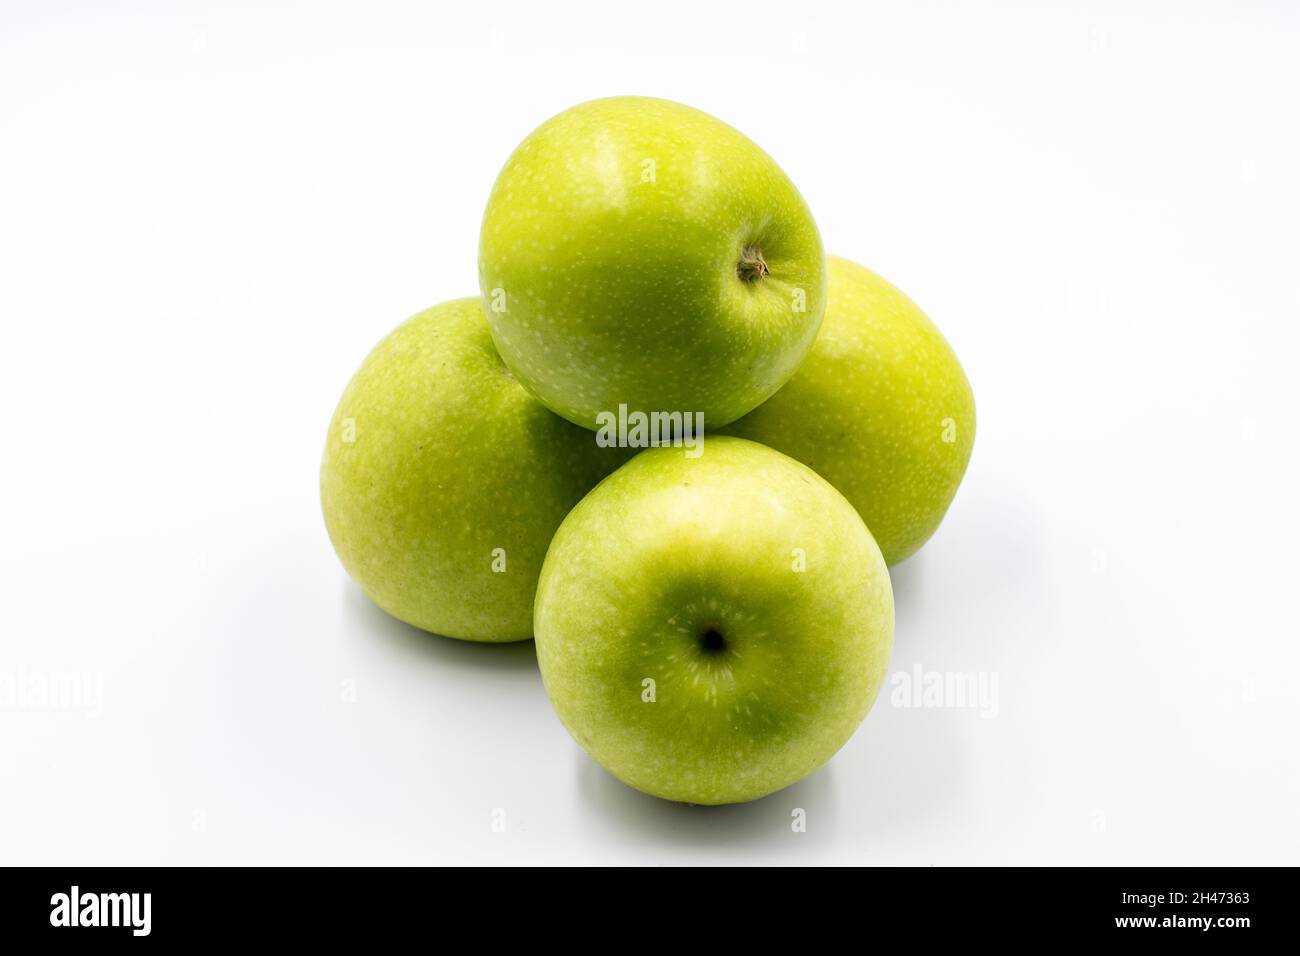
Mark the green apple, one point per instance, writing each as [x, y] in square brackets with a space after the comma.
[713, 629]
[880, 408]
[639, 252]
[443, 480]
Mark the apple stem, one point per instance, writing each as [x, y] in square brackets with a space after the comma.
[751, 267]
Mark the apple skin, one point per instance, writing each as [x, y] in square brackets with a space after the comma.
[610, 263]
[666, 550]
[880, 408]
[450, 459]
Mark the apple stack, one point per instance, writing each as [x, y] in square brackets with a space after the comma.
[670, 439]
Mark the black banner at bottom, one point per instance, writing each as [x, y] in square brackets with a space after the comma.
[337, 906]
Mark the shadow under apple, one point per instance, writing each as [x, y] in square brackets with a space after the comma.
[768, 819]
[373, 623]
[908, 581]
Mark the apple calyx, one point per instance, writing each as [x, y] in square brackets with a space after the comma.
[751, 267]
[712, 641]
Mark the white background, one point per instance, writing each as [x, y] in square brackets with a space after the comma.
[208, 217]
